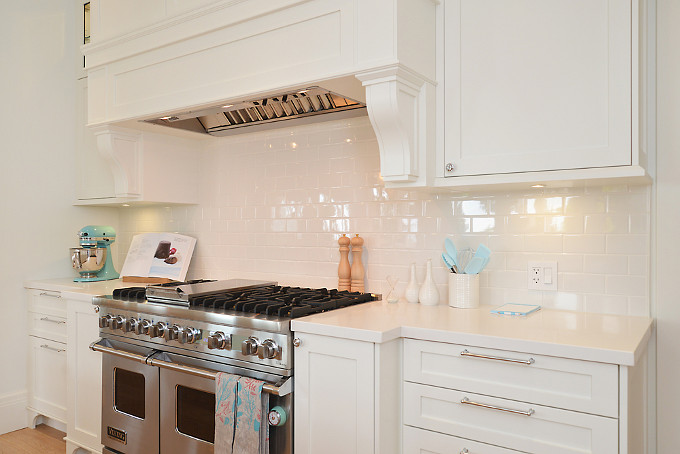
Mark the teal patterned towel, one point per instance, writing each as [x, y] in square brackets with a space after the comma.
[239, 408]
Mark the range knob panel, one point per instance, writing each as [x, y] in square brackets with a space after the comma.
[219, 341]
[131, 325]
[158, 330]
[144, 327]
[268, 350]
[105, 321]
[250, 346]
[118, 322]
[188, 335]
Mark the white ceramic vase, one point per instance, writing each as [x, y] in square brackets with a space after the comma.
[428, 294]
[412, 289]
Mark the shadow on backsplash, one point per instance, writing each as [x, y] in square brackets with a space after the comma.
[274, 204]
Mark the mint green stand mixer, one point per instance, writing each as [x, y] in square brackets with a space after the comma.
[93, 258]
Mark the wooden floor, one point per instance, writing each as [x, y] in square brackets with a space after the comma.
[41, 440]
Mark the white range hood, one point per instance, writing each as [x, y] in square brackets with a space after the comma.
[377, 52]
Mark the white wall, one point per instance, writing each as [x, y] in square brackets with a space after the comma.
[37, 127]
[273, 205]
[668, 226]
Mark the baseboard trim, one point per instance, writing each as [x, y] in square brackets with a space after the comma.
[13, 413]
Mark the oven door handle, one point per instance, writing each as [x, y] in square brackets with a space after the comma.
[281, 390]
[100, 346]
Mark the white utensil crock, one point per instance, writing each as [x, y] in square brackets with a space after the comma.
[464, 290]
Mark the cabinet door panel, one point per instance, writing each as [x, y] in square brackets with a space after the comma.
[556, 382]
[47, 375]
[533, 85]
[540, 430]
[334, 396]
[85, 376]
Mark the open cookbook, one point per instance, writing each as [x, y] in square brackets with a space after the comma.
[158, 255]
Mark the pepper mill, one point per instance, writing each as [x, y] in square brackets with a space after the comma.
[357, 270]
[344, 270]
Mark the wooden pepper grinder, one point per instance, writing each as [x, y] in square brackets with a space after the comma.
[344, 270]
[357, 270]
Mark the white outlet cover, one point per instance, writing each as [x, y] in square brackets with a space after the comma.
[542, 276]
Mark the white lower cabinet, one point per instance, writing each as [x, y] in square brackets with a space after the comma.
[518, 401]
[84, 378]
[347, 396]
[334, 396]
[46, 356]
[64, 375]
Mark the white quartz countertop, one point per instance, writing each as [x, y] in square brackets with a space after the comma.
[77, 290]
[594, 337]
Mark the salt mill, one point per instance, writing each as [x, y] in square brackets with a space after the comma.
[344, 271]
[357, 270]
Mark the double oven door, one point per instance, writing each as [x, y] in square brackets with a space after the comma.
[152, 404]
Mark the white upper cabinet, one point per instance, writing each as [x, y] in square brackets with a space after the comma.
[537, 91]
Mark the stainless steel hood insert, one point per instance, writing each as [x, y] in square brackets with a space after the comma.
[295, 107]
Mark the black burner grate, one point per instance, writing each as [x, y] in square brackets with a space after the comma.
[275, 300]
[288, 302]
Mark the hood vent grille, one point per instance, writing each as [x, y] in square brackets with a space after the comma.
[296, 107]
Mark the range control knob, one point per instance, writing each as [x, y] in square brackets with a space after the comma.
[131, 325]
[143, 327]
[219, 340]
[158, 330]
[188, 335]
[250, 346]
[105, 321]
[277, 416]
[268, 350]
[172, 333]
[118, 322]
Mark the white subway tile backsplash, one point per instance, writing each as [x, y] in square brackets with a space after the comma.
[274, 204]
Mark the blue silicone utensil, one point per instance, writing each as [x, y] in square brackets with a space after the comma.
[449, 263]
[451, 250]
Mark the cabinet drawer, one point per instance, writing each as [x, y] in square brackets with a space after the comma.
[557, 382]
[539, 430]
[46, 302]
[418, 441]
[47, 326]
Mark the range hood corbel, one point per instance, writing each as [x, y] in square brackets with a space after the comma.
[401, 109]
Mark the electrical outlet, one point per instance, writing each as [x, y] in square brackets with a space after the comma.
[542, 275]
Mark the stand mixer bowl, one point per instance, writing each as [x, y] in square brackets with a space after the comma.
[88, 261]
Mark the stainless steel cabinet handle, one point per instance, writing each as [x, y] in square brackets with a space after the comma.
[52, 295]
[464, 451]
[47, 319]
[498, 358]
[58, 350]
[466, 401]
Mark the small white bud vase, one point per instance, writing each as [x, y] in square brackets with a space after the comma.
[412, 289]
[428, 295]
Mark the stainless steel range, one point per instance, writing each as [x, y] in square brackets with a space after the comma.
[163, 345]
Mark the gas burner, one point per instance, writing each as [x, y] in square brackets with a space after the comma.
[287, 302]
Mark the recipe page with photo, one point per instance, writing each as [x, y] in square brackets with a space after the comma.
[165, 255]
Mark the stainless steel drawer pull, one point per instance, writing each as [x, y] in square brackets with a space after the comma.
[52, 295]
[47, 319]
[498, 358]
[466, 401]
[58, 350]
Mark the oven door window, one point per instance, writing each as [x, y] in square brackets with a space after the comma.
[195, 415]
[129, 396]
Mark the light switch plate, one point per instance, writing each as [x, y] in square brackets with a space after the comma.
[542, 276]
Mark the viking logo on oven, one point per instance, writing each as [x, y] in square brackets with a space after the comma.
[116, 434]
